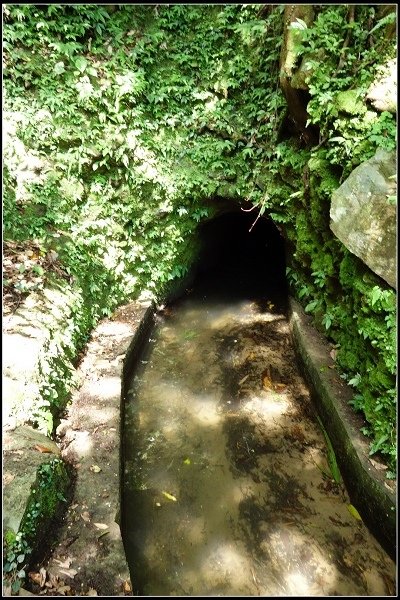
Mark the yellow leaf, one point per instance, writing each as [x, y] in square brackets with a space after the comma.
[186, 461]
[267, 383]
[354, 512]
[169, 496]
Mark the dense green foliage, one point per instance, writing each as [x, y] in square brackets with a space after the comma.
[129, 119]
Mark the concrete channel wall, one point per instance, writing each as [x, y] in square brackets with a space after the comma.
[364, 477]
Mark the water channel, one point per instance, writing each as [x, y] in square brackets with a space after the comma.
[227, 488]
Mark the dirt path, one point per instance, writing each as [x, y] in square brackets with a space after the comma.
[228, 488]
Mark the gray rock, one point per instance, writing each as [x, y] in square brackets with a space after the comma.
[382, 92]
[363, 216]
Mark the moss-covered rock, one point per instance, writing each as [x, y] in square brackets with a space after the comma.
[350, 102]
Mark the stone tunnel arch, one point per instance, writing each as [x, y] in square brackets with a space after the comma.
[241, 256]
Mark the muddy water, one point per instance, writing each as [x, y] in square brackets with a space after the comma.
[227, 485]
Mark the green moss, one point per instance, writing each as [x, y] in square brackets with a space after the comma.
[350, 102]
[49, 494]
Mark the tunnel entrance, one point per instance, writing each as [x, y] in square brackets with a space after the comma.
[240, 259]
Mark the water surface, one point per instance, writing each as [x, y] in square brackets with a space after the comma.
[227, 486]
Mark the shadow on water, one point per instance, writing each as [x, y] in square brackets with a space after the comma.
[226, 480]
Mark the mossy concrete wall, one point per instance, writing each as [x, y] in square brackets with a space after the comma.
[365, 478]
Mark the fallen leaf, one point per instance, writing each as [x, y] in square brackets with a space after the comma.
[169, 496]
[41, 448]
[35, 577]
[86, 516]
[7, 478]
[62, 589]
[127, 587]
[158, 504]
[378, 465]
[103, 533]
[95, 469]
[91, 592]
[69, 572]
[64, 564]
[354, 512]
[333, 354]
[100, 525]
[186, 461]
[43, 576]
[53, 581]
[243, 380]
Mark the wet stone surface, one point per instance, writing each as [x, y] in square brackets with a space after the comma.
[227, 488]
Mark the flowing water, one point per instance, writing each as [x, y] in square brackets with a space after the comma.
[227, 485]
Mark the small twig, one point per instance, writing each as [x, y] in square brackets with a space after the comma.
[258, 216]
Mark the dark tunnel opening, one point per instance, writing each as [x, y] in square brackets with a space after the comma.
[241, 259]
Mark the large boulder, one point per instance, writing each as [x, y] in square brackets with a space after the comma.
[382, 93]
[363, 214]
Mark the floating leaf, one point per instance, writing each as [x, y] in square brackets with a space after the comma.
[267, 382]
[169, 496]
[331, 455]
[354, 512]
[244, 378]
[279, 387]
